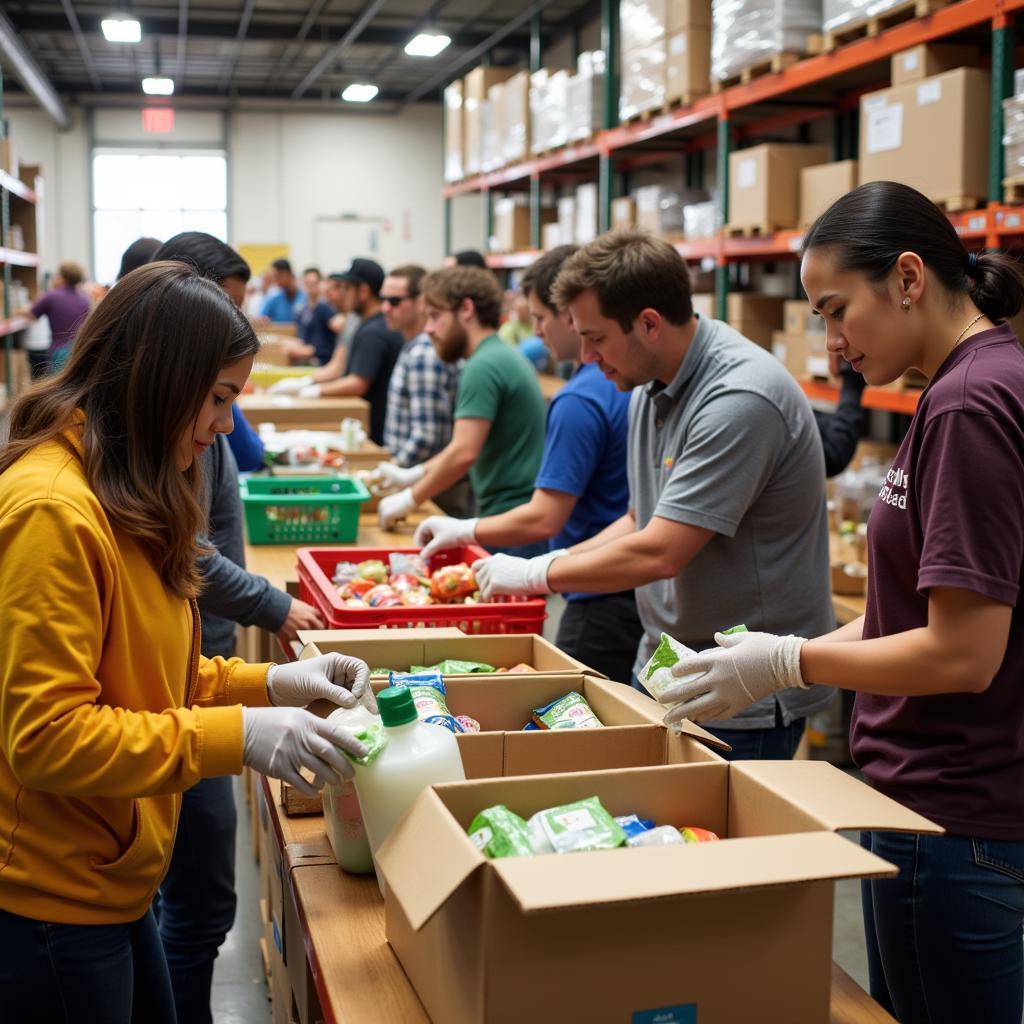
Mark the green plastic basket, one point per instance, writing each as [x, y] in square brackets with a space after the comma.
[302, 509]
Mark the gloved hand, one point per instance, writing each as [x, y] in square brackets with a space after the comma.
[310, 391]
[395, 507]
[395, 476]
[289, 385]
[744, 668]
[334, 677]
[506, 574]
[279, 742]
[438, 533]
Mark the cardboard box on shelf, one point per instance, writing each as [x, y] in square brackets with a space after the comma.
[764, 893]
[642, 82]
[512, 223]
[641, 23]
[764, 184]
[751, 307]
[798, 317]
[454, 132]
[516, 119]
[688, 63]
[475, 87]
[704, 305]
[899, 126]
[624, 212]
[822, 185]
[927, 59]
[478, 82]
[586, 213]
[492, 153]
[550, 236]
[567, 219]
[682, 14]
[791, 351]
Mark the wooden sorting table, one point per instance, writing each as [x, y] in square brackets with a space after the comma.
[286, 411]
[550, 385]
[358, 978]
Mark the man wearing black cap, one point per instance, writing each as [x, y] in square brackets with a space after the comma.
[371, 357]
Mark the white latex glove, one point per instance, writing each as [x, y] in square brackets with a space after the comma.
[506, 574]
[280, 742]
[395, 507]
[310, 391]
[335, 677]
[289, 385]
[438, 533]
[395, 476]
[744, 668]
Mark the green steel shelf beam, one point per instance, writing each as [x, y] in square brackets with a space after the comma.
[610, 111]
[488, 219]
[722, 270]
[536, 44]
[447, 226]
[535, 238]
[1002, 88]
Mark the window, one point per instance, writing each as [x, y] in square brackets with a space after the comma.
[156, 195]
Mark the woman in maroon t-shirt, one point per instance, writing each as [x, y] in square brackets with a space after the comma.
[938, 659]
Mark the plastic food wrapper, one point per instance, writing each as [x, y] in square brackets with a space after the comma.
[749, 32]
[455, 667]
[498, 832]
[373, 569]
[694, 834]
[568, 712]
[428, 694]
[531, 727]
[663, 835]
[574, 828]
[518, 670]
[451, 582]
[343, 572]
[634, 826]
[382, 596]
[657, 675]
[468, 724]
[403, 564]
[367, 728]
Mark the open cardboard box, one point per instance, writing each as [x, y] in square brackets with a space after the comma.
[429, 648]
[287, 411]
[647, 934]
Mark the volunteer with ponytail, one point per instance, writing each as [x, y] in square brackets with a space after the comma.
[938, 659]
[107, 709]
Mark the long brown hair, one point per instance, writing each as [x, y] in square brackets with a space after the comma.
[140, 370]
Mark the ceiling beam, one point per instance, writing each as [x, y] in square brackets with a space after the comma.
[179, 72]
[30, 74]
[294, 47]
[83, 47]
[236, 49]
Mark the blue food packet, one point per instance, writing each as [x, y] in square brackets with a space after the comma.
[634, 826]
[428, 695]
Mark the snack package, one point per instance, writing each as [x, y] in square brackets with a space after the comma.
[382, 596]
[693, 834]
[452, 582]
[521, 669]
[417, 598]
[373, 569]
[468, 724]
[428, 694]
[358, 587]
[343, 572]
[634, 826]
[368, 729]
[454, 667]
[403, 581]
[584, 825]
[402, 564]
[531, 727]
[657, 676]
[497, 832]
[568, 712]
[663, 835]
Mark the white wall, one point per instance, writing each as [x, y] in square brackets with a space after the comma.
[289, 173]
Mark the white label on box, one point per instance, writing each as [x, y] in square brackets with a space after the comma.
[746, 173]
[677, 45]
[885, 127]
[929, 92]
[874, 102]
[817, 366]
[780, 351]
[910, 61]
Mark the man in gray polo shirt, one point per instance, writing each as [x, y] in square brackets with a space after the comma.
[727, 520]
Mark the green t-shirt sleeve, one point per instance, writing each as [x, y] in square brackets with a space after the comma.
[479, 391]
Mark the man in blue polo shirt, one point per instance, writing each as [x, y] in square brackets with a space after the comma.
[581, 487]
[285, 301]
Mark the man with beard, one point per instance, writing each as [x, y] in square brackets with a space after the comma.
[498, 436]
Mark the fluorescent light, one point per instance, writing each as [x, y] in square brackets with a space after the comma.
[121, 30]
[158, 86]
[359, 92]
[427, 44]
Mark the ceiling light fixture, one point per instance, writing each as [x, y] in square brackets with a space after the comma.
[427, 44]
[117, 29]
[158, 86]
[359, 92]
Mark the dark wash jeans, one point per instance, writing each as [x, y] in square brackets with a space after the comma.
[196, 903]
[83, 973]
[944, 938]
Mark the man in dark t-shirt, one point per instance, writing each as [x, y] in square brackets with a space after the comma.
[373, 353]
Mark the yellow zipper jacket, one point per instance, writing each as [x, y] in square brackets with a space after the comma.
[107, 709]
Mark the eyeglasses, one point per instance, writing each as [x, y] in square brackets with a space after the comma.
[396, 300]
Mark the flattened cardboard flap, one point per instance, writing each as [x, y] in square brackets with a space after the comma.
[426, 858]
[553, 882]
[835, 799]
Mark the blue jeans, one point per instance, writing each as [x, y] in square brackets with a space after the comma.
[777, 743]
[83, 973]
[196, 903]
[944, 938]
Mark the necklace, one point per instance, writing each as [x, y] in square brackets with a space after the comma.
[980, 316]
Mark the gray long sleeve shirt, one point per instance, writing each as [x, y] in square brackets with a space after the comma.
[231, 596]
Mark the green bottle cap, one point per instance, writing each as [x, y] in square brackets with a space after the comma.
[396, 706]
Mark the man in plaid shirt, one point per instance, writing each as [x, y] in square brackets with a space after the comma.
[421, 395]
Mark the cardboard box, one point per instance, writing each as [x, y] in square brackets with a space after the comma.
[642, 82]
[286, 411]
[798, 317]
[900, 128]
[682, 14]
[512, 224]
[764, 184]
[704, 305]
[822, 185]
[753, 308]
[475, 87]
[567, 219]
[641, 23]
[791, 350]
[492, 153]
[761, 898]
[516, 119]
[624, 212]
[586, 213]
[454, 132]
[927, 59]
[551, 236]
[688, 63]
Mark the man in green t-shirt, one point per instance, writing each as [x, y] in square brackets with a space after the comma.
[499, 412]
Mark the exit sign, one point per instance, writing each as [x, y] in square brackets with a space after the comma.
[158, 120]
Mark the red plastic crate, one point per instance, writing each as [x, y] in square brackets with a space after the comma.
[502, 615]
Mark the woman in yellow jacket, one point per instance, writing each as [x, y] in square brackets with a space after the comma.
[107, 710]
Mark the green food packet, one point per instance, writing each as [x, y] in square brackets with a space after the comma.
[734, 629]
[569, 712]
[498, 832]
[657, 674]
[584, 825]
[455, 667]
[366, 727]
